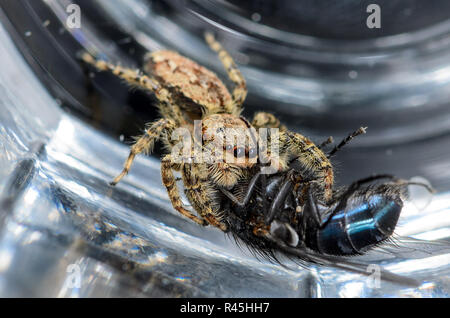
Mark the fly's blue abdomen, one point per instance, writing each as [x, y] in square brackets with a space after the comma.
[361, 224]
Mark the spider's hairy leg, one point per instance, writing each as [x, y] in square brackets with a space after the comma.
[132, 77]
[266, 120]
[145, 143]
[312, 159]
[199, 196]
[169, 182]
[201, 193]
[240, 91]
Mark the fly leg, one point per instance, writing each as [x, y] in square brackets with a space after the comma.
[285, 189]
[330, 140]
[248, 195]
[346, 140]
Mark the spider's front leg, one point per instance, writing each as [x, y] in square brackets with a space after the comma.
[202, 193]
[308, 158]
[169, 182]
[145, 144]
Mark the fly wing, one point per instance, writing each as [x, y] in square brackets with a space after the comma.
[405, 247]
[341, 263]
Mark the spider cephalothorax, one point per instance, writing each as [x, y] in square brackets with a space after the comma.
[188, 92]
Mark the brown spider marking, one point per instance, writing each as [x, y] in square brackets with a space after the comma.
[195, 88]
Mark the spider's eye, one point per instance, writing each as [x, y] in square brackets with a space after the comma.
[229, 147]
[239, 152]
[252, 153]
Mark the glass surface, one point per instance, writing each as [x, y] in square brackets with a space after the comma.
[65, 232]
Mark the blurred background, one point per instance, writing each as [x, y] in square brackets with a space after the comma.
[320, 66]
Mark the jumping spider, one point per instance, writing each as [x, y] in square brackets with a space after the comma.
[187, 92]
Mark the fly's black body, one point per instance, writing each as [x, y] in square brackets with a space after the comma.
[280, 212]
[356, 220]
